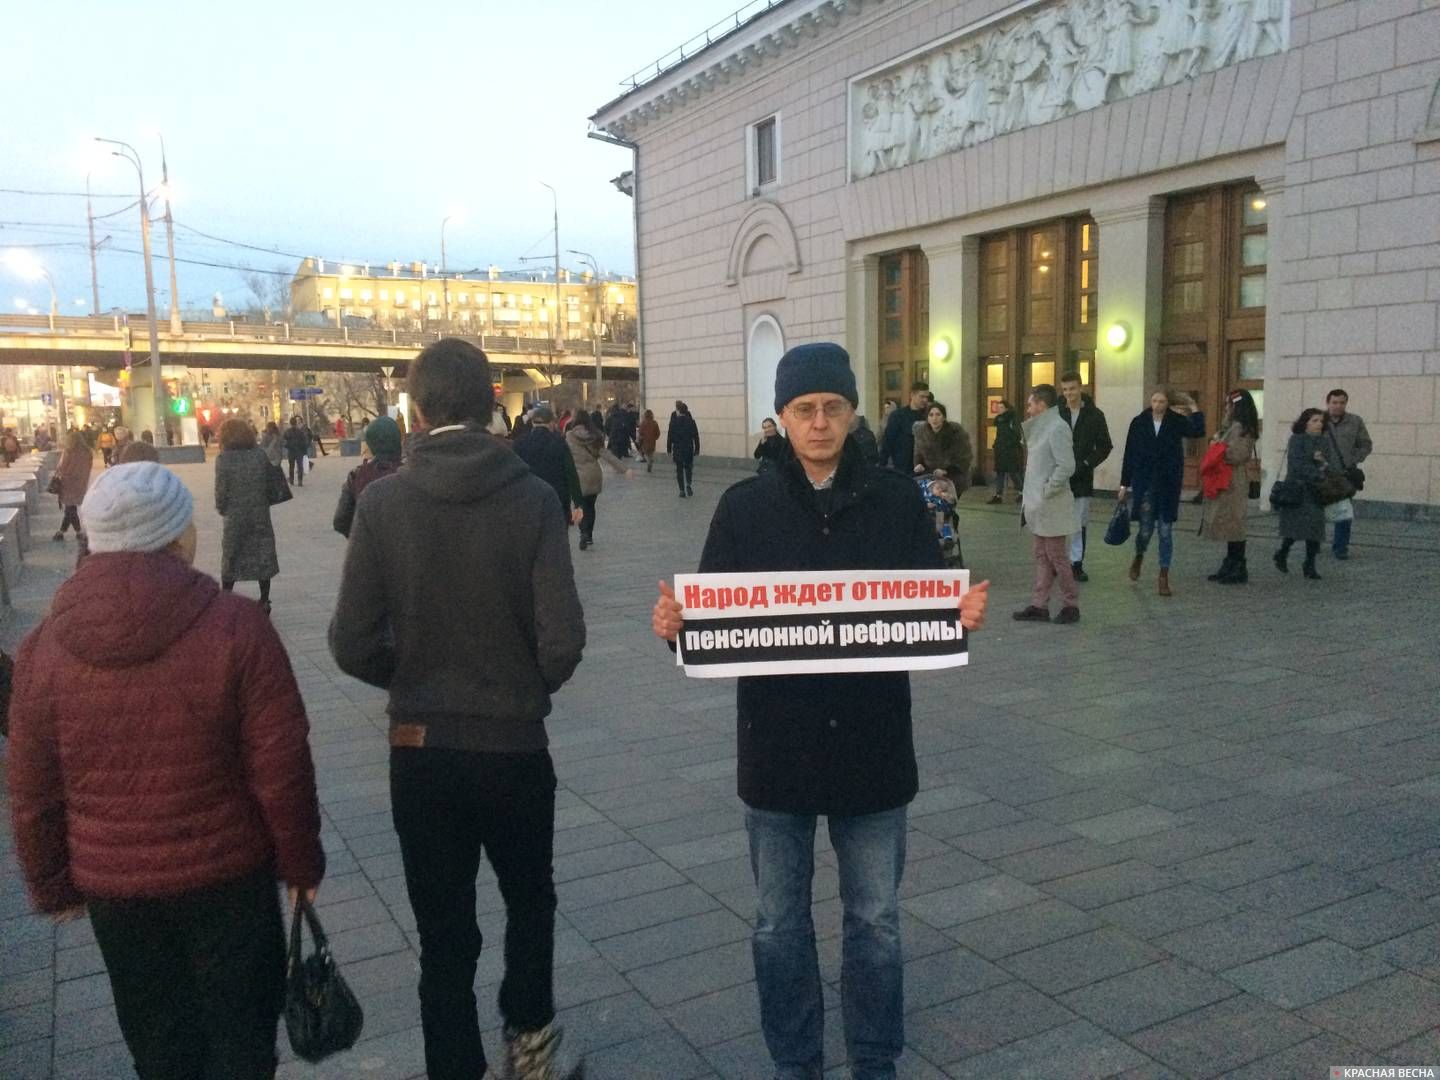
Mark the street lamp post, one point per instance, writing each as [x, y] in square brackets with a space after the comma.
[599, 287]
[558, 330]
[157, 387]
[94, 274]
[175, 327]
[27, 266]
[444, 276]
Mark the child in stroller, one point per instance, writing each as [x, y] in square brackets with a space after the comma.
[940, 498]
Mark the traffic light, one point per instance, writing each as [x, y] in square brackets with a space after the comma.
[180, 406]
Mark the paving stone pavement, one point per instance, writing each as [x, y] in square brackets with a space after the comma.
[1186, 838]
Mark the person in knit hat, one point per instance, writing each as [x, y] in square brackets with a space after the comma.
[837, 745]
[381, 450]
[160, 778]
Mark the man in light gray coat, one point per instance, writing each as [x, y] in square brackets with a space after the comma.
[1352, 441]
[1049, 506]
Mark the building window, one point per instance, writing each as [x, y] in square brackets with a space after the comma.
[763, 154]
[1254, 249]
[995, 285]
[327, 293]
[366, 296]
[399, 297]
[1087, 261]
[384, 296]
[347, 294]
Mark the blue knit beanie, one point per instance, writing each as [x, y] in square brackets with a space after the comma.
[820, 367]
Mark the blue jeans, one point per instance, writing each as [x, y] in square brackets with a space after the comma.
[1147, 523]
[1340, 543]
[870, 850]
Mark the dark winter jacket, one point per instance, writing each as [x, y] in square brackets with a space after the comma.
[1307, 521]
[947, 450]
[824, 744]
[683, 439]
[1007, 443]
[358, 480]
[550, 459]
[771, 452]
[1154, 466]
[297, 441]
[459, 598]
[866, 443]
[1092, 445]
[169, 757]
[897, 443]
[242, 497]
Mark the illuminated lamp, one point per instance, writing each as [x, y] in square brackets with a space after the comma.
[941, 349]
[1117, 335]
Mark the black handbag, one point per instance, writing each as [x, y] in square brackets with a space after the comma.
[1333, 487]
[277, 488]
[1118, 531]
[56, 485]
[322, 1016]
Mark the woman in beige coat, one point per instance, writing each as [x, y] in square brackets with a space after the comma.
[587, 447]
[1223, 516]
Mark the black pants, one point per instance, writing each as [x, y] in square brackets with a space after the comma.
[587, 516]
[297, 469]
[199, 979]
[684, 470]
[108, 453]
[72, 517]
[449, 806]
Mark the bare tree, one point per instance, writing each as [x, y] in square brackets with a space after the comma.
[269, 295]
[352, 394]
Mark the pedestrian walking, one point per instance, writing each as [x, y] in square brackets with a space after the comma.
[588, 449]
[1309, 455]
[458, 597]
[865, 442]
[897, 442]
[106, 443]
[134, 451]
[1092, 446]
[840, 745]
[1153, 472]
[618, 432]
[1049, 507]
[1227, 486]
[168, 814]
[942, 447]
[1351, 439]
[273, 443]
[771, 451]
[10, 446]
[317, 442]
[242, 498]
[297, 445]
[682, 443]
[1008, 456]
[73, 475]
[545, 451]
[123, 437]
[647, 437]
[380, 451]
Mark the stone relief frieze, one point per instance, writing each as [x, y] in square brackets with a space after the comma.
[1045, 64]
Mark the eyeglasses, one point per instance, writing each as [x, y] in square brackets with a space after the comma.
[806, 410]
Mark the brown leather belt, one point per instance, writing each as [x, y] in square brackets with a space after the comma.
[412, 735]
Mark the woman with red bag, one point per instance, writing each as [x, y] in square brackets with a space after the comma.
[1226, 486]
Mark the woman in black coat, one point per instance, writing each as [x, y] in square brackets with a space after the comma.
[1154, 471]
[1308, 456]
[771, 451]
[1007, 452]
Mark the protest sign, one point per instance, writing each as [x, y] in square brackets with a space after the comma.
[825, 622]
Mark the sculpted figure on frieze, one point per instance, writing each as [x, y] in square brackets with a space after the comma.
[1046, 63]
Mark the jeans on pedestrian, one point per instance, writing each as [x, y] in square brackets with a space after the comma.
[70, 518]
[198, 979]
[1340, 542]
[684, 470]
[449, 807]
[1082, 520]
[1000, 482]
[870, 852]
[1051, 562]
[297, 468]
[1147, 523]
[587, 516]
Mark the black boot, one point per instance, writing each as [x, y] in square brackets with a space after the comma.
[1225, 567]
[1309, 569]
[1239, 573]
[1282, 560]
[1078, 569]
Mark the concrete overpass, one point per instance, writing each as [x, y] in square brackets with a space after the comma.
[102, 342]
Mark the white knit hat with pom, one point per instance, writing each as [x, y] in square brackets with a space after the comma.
[137, 507]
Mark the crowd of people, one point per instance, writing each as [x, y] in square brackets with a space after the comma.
[171, 818]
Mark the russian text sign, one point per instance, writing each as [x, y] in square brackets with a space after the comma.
[826, 622]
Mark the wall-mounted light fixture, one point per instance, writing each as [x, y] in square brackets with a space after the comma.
[1117, 335]
[941, 349]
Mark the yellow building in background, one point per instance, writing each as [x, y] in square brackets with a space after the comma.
[493, 301]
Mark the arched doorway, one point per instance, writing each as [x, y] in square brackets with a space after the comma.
[764, 346]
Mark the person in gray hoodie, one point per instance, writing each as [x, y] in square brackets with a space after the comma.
[458, 597]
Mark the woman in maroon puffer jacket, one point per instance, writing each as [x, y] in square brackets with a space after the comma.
[161, 778]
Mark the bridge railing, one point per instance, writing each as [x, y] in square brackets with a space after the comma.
[240, 330]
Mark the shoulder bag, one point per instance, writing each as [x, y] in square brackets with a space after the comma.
[1333, 487]
[1253, 473]
[277, 488]
[1353, 473]
[322, 1016]
[1286, 494]
[1118, 531]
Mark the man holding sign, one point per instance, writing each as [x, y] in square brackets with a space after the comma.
[826, 743]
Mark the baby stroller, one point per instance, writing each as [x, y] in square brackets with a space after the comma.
[940, 498]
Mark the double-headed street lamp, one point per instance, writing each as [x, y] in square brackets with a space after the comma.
[157, 385]
[599, 286]
[454, 215]
[27, 266]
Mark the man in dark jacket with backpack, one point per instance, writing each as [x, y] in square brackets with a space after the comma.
[682, 443]
[1092, 446]
[837, 745]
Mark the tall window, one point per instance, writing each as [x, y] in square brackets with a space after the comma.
[1086, 245]
[763, 154]
[1253, 249]
[904, 321]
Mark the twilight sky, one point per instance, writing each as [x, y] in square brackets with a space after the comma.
[348, 131]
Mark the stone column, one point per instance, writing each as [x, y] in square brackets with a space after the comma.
[954, 317]
[1131, 280]
[862, 331]
[1284, 385]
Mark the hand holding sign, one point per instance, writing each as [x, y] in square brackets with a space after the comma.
[666, 619]
[973, 604]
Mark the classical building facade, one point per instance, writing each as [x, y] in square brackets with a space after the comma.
[1205, 194]
[492, 301]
